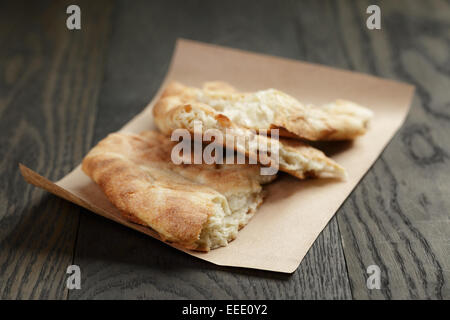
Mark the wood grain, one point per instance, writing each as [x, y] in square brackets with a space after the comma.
[49, 80]
[118, 263]
[122, 264]
[398, 217]
[55, 104]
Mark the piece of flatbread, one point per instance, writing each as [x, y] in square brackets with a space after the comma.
[297, 158]
[267, 109]
[200, 207]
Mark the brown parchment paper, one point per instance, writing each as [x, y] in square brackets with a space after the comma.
[294, 212]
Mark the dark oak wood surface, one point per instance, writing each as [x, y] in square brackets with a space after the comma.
[62, 91]
[49, 83]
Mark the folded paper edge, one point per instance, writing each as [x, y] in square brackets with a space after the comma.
[39, 181]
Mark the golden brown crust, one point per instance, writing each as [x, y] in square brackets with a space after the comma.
[340, 120]
[147, 195]
[137, 175]
[169, 115]
[331, 168]
[318, 124]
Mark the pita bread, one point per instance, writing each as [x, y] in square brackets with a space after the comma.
[200, 207]
[267, 109]
[294, 157]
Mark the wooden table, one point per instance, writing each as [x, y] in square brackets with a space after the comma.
[62, 91]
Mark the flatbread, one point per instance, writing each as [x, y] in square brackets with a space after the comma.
[200, 207]
[267, 109]
[175, 111]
